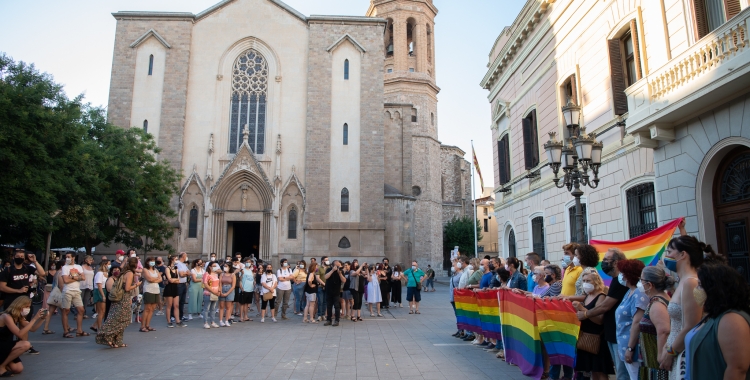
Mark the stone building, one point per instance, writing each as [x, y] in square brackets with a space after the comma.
[662, 84]
[487, 245]
[298, 136]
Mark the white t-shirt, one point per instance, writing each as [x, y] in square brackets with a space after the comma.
[268, 280]
[89, 275]
[284, 285]
[181, 267]
[66, 271]
[99, 278]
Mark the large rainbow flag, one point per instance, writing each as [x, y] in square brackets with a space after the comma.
[648, 247]
[467, 311]
[523, 346]
[489, 313]
[558, 329]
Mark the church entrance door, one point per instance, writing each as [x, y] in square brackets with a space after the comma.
[732, 209]
[245, 238]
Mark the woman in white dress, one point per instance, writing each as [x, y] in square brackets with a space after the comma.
[374, 297]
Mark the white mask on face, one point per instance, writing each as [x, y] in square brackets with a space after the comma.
[533, 277]
[588, 287]
[132, 255]
[25, 311]
[413, 267]
[215, 268]
[120, 258]
[639, 285]
[459, 264]
[326, 262]
[301, 267]
[576, 262]
[470, 267]
[69, 261]
[453, 269]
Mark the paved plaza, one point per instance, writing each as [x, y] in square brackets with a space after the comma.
[397, 346]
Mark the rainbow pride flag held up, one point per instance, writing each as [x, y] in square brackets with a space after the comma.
[558, 330]
[520, 335]
[648, 247]
[467, 311]
[489, 313]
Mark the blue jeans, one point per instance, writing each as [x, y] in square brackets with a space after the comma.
[209, 309]
[554, 372]
[321, 302]
[620, 370]
[299, 297]
[429, 284]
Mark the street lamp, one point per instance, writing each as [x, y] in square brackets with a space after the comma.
[577, 155]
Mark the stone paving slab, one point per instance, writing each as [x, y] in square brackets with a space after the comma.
[398, 346]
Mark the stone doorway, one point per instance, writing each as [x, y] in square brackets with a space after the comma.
[732, 209]
[245, 238]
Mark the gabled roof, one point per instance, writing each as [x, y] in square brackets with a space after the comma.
[244, 160]
[201, 15]
[351, 39]
[148, 34]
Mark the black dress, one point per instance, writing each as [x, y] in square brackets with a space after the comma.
[588, 362]
[171, 289]
[7, 344]
[385, 287]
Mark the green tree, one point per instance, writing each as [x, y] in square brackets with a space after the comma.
[458, 232]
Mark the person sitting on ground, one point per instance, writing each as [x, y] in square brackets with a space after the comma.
[14, 333]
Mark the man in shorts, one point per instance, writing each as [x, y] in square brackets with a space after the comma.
[72, 276]
[414, 277]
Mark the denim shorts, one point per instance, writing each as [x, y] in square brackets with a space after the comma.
[228, 298]
[412, 294]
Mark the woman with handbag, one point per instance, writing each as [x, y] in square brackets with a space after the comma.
[269, 282]
[592, 351]
[123, 288]
[397, 278]
[629, 314]
[100, 294]
[655, 324]
[211, 293]
[226, 299]
[311, 293]
[54, 300]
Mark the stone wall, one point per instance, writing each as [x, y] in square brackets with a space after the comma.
[399, 228]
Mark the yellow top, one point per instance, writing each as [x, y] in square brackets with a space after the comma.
[569, 280]
[300, 275]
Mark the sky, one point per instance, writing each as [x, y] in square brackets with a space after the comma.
[73, 41]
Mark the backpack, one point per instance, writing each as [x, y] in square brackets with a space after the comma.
[118, 290]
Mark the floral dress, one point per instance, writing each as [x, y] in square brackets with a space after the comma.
[118, 319]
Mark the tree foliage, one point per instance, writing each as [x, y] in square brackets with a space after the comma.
[61, 156]
[458, 232]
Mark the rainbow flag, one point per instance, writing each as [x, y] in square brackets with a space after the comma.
[648, 247]
[489, 313]
[467, 311]
[520, 334]
[558, 329]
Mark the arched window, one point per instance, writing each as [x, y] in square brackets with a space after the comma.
[193, 224]
[292, 230]
[346, 69]
[537, 235]
[641, 201]
[346, 134]
[151, 64]
[145, 126]
[512, 244]
[249, 91]
[344, 243]
[345, 200]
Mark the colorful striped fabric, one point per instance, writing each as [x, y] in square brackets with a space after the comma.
[558, 330]
[648, 247]
[467, 311]
[520, 335]
[489, 313]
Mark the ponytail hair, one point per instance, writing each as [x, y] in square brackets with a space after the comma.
[698, 251]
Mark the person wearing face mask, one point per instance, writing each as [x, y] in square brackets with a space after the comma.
[311, 293]
[594, 358]
[171, 294]
[195, 291]
[269, 282]
[100, 295]
[321, 298]
[357, 286]
[476, 276]
[119, 258]
[572, 271]
[655, 325]
[162, 273]
[72, 276]
[429, 285]
[629, 314]
[414, 281]
[211, 259]
[608, 308]
[183, 272]
[211, 293]
[284, 289]
[684, 255]
[247, 286]
[532, 261]
[718, 347]
[51, 271]
[15, 280]
[113, 329]
[152, 279]
[457, 270]
[397, 275]
[14, 333]
[299, 277]
[226, 299]
[87, 286]
[517, 279]
[538, 278]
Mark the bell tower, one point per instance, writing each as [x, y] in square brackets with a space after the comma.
[412, 149]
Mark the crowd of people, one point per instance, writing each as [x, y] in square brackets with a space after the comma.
[228, 291]
[686, 318]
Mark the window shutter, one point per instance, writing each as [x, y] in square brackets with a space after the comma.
[503, 154]
[574, 88]
[617, 75]
[636, 49]
[527, 148]
[534, 140]
[732, 8]
[701, 22]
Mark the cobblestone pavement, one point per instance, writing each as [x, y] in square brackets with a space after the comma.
[398, 346]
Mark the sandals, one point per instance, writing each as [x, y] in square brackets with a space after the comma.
[68, 335]
[501, 354]
[143, 329]
[380, 315]
[372, 315]
[7, 374]
[314, 322]
[82, 333]
[411, 312]
[359, 319]
[94, 329]
[150, 329]
[417, 312]
[47, 332]
[354, 319]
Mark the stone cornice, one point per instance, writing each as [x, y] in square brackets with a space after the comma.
[520, 34]
[148, 34]
[428, 3]
[453, 147]
[346, 19]
[402, 79]
[350, 39]
[154, 15]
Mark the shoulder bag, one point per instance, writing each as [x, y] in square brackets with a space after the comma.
[419, 284]
[589, 342]
[118, 290]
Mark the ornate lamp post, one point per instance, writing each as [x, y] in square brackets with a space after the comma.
[576, 155]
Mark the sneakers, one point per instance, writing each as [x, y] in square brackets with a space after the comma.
[221, 323]
[328, 323]
[184, 318]
[170, 325]
[284, 317]
[172, 319]
[227, 324]
[206, 326]
[94, 316]
[262, 320]
[214, 325]
[335, 323]
[159, 312]
[274, 319]
[189, 318]
[32, 351]
[483, 344]
[200, 315]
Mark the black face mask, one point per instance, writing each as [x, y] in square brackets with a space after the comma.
[18, 260]
[607, 267]
[548, 279]
[492, 267]
[269, 271]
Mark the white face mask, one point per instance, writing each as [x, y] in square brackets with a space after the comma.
[588, 287]
[413, 267]
[576, 262]
[326, 262]
[639, 285]
[25, 311]
[470, 267]
[621, 279]
[301, 267]
[120, 258]
[68, 261]
[286, 265]
[459, 265]
[132, 255]
[453, 269]
[215, 268]
[533, 278]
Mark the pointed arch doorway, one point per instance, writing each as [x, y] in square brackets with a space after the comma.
[731, 190]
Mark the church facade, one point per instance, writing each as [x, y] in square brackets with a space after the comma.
[297, 136]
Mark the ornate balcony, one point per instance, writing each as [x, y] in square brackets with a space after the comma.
[710, 72]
